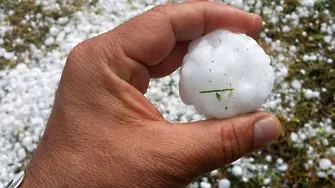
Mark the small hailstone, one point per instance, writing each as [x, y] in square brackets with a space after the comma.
[282, 167]
[53, 31]
[296, 84]
[214, 173]
[49, 41]
[304, 34]
[268, 158]
[316, 94]
[325, 163]
[27, 141]
[308, 93]
[280, 161]
[332, 150]
[237, 171]
[321, 174]
[286, 29]
[11, 12]
[294, 137]
[330, 61]
[21, 154]
[313, 58]
[266, 181]
[245, 179]
[8, 55]
[305, 58]
[328, 39]
[224, 183]
[272, 104]
[225, 74]
[205, 185]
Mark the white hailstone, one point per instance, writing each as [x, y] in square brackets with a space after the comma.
[224, 183]
[62, 20]
[49, 41]
[262, 35]
[8, 55]
[308, 93]
[204, 179]
[304, 34]
[321, 174]
[282, 167]
[238, 3]
[332, 150]
[305, 58]
[214, 173]
[195, 185]
[225, 74]
[296, 84]
[245, 179]
[293, 48]
[316, 94]
[272, 104]
[325, 141]
[11, 12]
[53, 31]
[21, 154]
[330, 61]
[313, 58]
[283, 71]
[294, 137]
[252, 167]
[279, 8]
[286, 29]
[303, 136]
[205, 185]
[27, 141]
[266, 181]
[280, 161]
[308, 3]
[268, 158]
[237, 170]
[328, 38]
[325, 163]
[2, 52]
[274, 19]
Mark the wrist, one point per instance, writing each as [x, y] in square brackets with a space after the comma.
[43, 171]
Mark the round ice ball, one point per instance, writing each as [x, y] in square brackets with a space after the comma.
[225, 74]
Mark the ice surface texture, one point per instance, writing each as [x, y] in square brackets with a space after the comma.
[225, 74]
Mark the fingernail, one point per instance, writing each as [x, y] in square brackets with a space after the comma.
[265, 131]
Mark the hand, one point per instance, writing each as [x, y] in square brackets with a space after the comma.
[103, 132]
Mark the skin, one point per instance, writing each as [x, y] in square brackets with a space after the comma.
[102, 131]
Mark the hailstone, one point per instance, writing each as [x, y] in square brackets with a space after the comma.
[225, 74]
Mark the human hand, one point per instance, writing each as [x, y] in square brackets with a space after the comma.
[103, 132]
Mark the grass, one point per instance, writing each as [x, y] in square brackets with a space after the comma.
[24, 30]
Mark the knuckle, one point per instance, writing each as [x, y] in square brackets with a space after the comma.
[230, 141]
[162, 9]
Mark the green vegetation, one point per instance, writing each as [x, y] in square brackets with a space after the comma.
[23, 29]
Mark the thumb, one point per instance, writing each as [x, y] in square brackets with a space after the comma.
[219, 142]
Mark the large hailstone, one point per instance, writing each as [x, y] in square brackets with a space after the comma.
[225, 74]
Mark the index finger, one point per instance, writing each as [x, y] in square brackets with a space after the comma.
[149, 38]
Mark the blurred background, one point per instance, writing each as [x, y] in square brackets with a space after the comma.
[37, 35]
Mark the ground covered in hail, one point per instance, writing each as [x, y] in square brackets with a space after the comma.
[36, 36]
